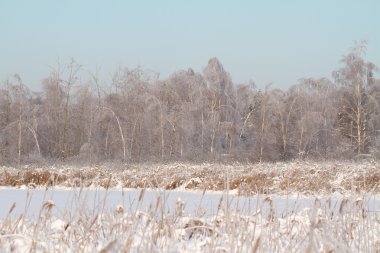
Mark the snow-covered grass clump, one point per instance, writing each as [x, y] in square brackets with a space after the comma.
[299, 176]
[346, 224]
[280, 207]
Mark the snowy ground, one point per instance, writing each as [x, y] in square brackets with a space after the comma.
[130, 220]
[29, 201]
[298, 207]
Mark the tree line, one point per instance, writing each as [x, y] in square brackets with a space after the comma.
[190, 116]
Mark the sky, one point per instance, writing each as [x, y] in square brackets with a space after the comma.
[264, 41]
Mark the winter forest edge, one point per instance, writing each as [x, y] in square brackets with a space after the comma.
[189, 116]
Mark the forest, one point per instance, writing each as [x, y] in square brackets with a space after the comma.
[189, 116]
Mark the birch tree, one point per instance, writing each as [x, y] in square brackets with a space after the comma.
[357, 101]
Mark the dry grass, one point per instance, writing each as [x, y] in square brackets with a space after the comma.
[304, 177]
[346, 227]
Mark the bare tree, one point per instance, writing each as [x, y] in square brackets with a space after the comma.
[194, 116]
[358, 103]
[221, 99]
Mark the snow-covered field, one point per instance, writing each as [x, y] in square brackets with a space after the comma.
[189, 219]
[281, 178]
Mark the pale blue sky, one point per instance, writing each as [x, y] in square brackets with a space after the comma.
[266, 41]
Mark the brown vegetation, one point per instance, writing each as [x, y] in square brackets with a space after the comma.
[247, 179]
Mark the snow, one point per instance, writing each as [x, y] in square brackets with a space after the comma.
[64, 219]
[179, 220]
[30, 201]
